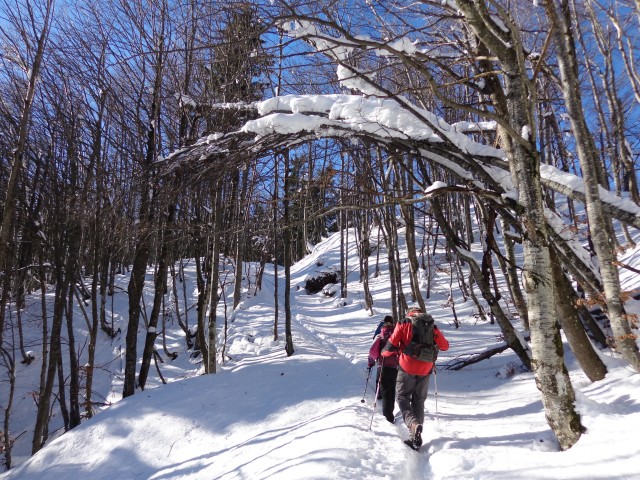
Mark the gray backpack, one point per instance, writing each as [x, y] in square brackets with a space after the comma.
[423, 345]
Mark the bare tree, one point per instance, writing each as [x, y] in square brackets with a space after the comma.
[154, 37]
[30, 24]
[600, 226]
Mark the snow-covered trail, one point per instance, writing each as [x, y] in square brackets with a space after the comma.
[347, 330]
[331, 345]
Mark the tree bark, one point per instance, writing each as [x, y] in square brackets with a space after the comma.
[287, 260]
[513, 279]
[410, 239]
[201, 339]
[212, 350]
[569, 319]
[74, 368]
[7, 440]
[240, 238]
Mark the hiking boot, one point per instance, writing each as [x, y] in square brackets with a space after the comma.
[416, 435]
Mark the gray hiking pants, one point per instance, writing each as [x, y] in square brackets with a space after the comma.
[411, 393]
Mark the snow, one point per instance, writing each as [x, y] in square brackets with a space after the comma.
[285, 123]
[474, 126]
[298, 103]
[549, 172]
[338, 48]
[402, 44]
[185, 100]
[500, 23]
[386, 118]
[383, 118]
[435, 186]
[266, 415]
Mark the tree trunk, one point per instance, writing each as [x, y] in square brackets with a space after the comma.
[412, 257]
[201, 339]
[343, 229]
[384, 226]
[512, 278]
[515, 103]
[600, 227]
[240, 239]
[61, 397]
[138, 271]
[215, 277]
[362, 231]
[93, 332]
[135, 288]
[50, 364]
[7, 441]
[287, 260]
[276, 256]
[160, 282]
[582, 348]
[515, 341]
[74, 369]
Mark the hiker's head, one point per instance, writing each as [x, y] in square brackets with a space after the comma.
[388, 321]
[414, 311]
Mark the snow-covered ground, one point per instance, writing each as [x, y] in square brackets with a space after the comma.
[269, 416]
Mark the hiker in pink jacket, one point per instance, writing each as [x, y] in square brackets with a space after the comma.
[388, 369]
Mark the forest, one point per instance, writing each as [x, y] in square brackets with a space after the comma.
[141, 134]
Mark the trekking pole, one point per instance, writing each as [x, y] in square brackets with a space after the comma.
[365, 386]
[435, 383]
[375, 402]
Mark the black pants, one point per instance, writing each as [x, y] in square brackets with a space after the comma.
[388, 391]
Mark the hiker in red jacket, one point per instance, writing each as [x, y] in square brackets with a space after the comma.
[417, 339]
[388, 368]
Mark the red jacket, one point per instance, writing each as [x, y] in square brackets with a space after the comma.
[401, 337]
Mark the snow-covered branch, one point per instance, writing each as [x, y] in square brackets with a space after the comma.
[290, 119]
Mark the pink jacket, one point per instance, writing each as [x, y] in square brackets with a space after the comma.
[376, 350]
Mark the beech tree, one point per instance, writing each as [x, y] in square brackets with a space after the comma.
[600, 227]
